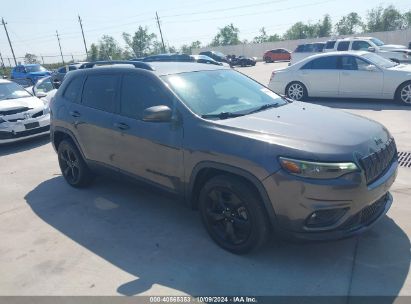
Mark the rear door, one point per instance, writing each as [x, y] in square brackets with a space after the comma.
[321, 76]
[359, 78]
[150, 150]
[92, 117]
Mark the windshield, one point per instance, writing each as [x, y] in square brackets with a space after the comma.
[377, 42]
[35, 68]
[10, 90]
[379, 61]
[220, 54]
[221, 91]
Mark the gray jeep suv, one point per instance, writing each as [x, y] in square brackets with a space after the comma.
[251, 161]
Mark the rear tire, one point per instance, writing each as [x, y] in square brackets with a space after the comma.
[296, 91]
[73, 168]
[403, 93]
[233, 214]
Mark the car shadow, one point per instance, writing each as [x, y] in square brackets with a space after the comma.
[24, 145]
[160, 241]
[359, 104]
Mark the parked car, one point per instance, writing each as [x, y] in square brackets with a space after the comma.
[59, 74]
[306, 50]
[32, 72]
[248, 159]
[21, 115]
[242, 61]
[277, 55]
[396, 53]
[356, 74]
[217, 56]
[205, 59]
[169, 57]
[45, 89]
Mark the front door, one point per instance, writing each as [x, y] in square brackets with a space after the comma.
[359, 78]
[149, 150]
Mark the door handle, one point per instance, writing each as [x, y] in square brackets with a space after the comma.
[75, 114]
[121, 126]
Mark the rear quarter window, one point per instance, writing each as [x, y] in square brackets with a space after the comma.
[322, 63]
[73, 90]
[343, 46]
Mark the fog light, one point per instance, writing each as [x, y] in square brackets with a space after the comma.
[324, 218]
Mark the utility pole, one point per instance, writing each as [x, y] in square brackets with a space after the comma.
[82, 32]
[8, 38]
[2, 62]
[161, 34]
[10, 61]
[42, 58]
[72, 58]
[58, 39]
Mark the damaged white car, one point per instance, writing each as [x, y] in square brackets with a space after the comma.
[22, 115]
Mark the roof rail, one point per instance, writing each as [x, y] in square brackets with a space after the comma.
[137, 64]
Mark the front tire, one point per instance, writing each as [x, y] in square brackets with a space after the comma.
[233, 214]
[404, 93]
[296, 91]
[73, 168]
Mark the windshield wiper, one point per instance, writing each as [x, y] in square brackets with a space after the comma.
[264, 107]
[222, 115]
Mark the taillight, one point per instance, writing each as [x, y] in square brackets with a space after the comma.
[272, 75]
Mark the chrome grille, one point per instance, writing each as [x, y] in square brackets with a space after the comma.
[377, 163]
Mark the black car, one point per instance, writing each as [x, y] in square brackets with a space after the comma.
[249, 160]
[59, 74]
[205, 59]
[242, 61]
[217, 56]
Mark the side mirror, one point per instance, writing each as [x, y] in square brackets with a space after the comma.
[40, 94]
[371, 49]
[157, 114]
[371, 68]
[56, 83]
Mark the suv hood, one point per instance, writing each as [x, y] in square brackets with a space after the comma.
[26, 102]
[387, 47]
[310, 128]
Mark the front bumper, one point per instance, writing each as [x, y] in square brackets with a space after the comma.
[296, 199]
[16, 131]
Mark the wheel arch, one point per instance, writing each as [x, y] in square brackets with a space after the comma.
[59, 134]
[397, 90]
[203, 171]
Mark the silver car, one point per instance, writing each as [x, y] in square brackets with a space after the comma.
[22, 115]
[347, 75]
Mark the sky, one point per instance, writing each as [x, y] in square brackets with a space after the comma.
[32, 25]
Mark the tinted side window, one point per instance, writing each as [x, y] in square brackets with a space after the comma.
[300, 48]
[323, 63]
[100, 92]
[73, 90]
[343, 46]
[139, 93]
[62, 70]
[360, 45]
[330, 44]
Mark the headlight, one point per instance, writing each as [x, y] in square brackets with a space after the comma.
[317, 170]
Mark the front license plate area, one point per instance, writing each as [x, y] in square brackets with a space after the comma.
[32, 125]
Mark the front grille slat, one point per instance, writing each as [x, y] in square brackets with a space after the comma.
[377, 163]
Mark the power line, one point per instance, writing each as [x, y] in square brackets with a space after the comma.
[8, 38]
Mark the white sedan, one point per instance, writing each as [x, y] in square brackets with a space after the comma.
[22, 115]
[348, 74]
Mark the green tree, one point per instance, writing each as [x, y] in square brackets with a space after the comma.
[30, 58]
[407, 19]
[93, 54]
[297, 31]
[141, 43]
[324, 27]
[228, 35]
[349, 24]
[109, 48]
[382, 19]
[263, 37]
[274, 38]
[188, 49]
